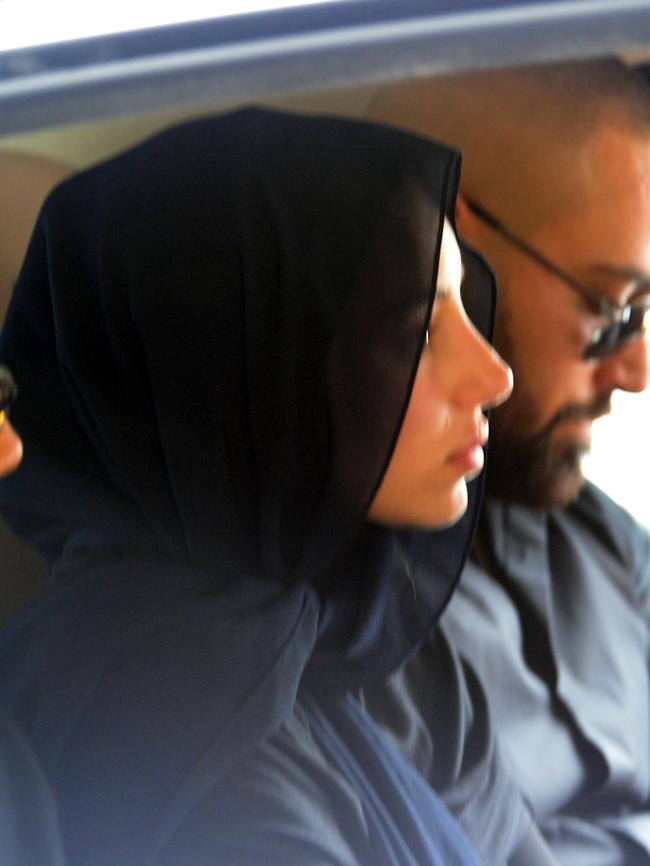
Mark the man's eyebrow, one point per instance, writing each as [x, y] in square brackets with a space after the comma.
[622, 272]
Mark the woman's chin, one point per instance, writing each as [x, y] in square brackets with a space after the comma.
[439, 511]
[452, 510]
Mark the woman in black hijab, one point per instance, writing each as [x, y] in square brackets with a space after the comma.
[243, 416]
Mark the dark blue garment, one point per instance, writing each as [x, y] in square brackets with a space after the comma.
[329, 789]
[29, 826]
[215, 337]
[434, 710]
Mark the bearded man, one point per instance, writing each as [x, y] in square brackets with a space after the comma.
[552, 611]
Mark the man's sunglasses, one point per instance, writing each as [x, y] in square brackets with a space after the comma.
[621, 323]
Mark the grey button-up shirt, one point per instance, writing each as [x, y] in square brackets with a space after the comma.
[551, 614]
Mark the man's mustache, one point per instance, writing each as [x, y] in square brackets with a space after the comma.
[602, 405]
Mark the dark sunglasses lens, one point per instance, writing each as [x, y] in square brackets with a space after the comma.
[478, 292]
[610, 339]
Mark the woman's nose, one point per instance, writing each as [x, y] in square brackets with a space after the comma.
[484, 377]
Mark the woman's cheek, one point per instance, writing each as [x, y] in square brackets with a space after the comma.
[428, 411]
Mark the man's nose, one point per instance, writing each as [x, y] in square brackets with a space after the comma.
[627, 369]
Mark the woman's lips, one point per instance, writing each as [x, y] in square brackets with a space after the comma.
[471, 457]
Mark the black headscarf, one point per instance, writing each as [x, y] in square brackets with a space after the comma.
[215, 337]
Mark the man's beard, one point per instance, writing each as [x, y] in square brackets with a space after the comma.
[535, 470]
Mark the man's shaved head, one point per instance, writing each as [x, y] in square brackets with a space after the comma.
[517, 125]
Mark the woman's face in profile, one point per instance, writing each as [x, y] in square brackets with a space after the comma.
[440, 446]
